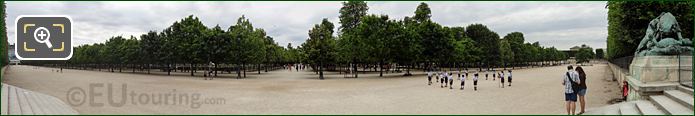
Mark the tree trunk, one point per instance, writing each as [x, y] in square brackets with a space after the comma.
[407, 70]
[191, 70]
[238, 71]
[381, 69]
[168, 69]
[354, 68]
[243, 66]
[321, 71]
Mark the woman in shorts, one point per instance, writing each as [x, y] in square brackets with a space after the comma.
[502, 78]
[509, 78]
[463, 81]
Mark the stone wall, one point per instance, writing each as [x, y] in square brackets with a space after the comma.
[619, 74]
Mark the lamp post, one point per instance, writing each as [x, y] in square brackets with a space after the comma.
[238, 55]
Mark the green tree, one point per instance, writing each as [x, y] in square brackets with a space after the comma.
[487, 40]
[247, 44]
[506, 53]
[112, 52]
[351, 13]
[600, 54]
[4, 59]
[516, 42]
[405, 45]
[151, 44]
[437, 43]
[584, 55]
[130, 52]
[348, 47]
[627, 21]
[320, 47]
[422, 13]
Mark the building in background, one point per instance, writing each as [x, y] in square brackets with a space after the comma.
[12, 56]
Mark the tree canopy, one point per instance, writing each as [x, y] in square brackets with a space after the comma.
[372, 42]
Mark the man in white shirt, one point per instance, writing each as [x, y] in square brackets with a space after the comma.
[570, 78]
[208, 73]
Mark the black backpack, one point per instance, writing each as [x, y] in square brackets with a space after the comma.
[575, 85]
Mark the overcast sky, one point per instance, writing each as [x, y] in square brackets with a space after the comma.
[560, 24]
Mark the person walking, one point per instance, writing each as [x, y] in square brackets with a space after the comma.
[570, 82]
[463, 81]
[475, 82]
[208, 73]
[429, 77]
[437, 76]
[501, 74]
[442, 77]
[509, 77]
[582, 88]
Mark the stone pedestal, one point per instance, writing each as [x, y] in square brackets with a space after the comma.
[653, 74]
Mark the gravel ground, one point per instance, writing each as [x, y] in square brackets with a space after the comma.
[534, 91]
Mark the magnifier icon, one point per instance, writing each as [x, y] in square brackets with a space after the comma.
[42, 35]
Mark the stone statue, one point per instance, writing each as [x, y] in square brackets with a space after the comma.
[663, 37]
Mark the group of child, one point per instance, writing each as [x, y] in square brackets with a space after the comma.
[446, 78]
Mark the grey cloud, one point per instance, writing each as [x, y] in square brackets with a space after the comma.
[288, 22]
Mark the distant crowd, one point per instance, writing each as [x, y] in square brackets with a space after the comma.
[446, 78]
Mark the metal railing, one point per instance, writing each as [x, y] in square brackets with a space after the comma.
[685, 71]
[623, 62]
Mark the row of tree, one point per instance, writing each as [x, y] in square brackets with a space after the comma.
[187, 45]
[379, 41]
[366, 41]
[4, 59]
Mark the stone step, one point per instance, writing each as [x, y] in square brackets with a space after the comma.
[4, 100]
[62, 106]
[596, 110]
[13, 103]
[612, 110]
[685, 89]
[682, 98]
[629, 108]
[670, 106]
[45, 108]
[647, 108]
[36, 108]
[24, 103]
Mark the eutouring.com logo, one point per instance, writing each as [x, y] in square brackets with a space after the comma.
[95, 94]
